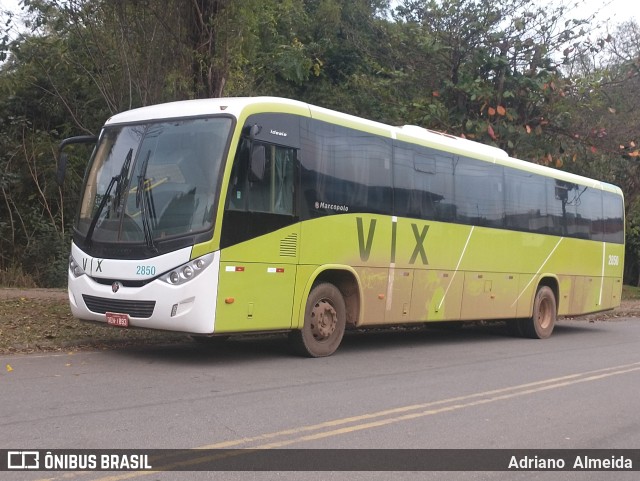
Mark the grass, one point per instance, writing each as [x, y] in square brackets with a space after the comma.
[16, 277]
[630, 293]
[44, 324]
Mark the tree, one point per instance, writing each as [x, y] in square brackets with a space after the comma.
[492, 71]
[526, 79]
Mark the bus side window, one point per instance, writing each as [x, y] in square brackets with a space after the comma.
[284, 172]
[272, 192]
[236, 196]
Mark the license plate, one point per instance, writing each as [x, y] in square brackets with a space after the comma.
[118, 320]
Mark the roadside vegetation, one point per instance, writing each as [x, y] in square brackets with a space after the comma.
[631, 293]
[548, 83]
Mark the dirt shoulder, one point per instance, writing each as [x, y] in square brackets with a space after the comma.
[14, 292]
[39, 320]
[628, 308]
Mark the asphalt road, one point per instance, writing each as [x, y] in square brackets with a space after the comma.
[475, 388]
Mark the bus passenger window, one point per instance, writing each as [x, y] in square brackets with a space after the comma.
[273, 192]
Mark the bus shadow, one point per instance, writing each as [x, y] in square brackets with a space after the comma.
[486, 332]
[235, 350]
[248, 349]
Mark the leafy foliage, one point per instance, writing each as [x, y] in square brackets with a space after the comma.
[534, 81]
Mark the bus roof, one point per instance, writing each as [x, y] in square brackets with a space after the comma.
[233, 106]
[239, 106]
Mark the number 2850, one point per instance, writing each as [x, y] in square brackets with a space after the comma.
[145, 270]
[614, 260]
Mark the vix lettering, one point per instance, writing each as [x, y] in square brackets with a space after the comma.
[97, 263]
[366, 245]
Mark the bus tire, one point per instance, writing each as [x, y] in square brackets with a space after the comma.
[324, 323]
[540, 325]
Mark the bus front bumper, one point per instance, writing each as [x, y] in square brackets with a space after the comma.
[188, 307]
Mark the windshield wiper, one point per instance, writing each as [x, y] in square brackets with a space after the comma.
[145, 203]
[103, 202]
[123, 181]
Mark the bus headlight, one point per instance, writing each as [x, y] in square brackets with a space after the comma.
[187, 271]
[75, 268]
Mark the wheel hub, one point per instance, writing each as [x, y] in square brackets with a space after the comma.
[544, 314]
[324, 320]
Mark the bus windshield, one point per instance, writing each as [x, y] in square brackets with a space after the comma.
[147, 182]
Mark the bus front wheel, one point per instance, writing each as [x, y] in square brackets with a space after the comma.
[540, 325]
[324, 323]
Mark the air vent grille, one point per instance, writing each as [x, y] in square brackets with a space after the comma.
[289, 246]
[102, 305]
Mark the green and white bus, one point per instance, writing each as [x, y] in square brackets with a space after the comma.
[242, 215]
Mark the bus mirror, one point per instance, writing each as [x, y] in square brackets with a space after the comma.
[254, 131]
[258, 163]
[62, 168]
[62, 162]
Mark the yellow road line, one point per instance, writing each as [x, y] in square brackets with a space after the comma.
[338, 427]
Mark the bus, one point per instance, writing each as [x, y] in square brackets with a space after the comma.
[254, 215]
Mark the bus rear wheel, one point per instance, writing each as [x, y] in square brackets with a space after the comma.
[324, 323]
[541, 324]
